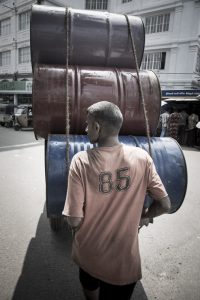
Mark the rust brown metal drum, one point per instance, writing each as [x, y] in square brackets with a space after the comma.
[96, 38]
[88, 86]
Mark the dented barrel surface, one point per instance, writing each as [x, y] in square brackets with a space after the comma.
[95, 38]
[88, 85]
[166, 153]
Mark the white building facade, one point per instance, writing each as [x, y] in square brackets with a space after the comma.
[172, 47]
[15, 66]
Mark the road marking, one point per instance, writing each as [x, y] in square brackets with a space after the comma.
[22, 145]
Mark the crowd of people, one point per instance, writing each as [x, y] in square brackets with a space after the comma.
[183, 127]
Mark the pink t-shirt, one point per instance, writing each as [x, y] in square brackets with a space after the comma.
[107, 187]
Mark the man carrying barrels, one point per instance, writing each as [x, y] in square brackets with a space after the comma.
[104, 206]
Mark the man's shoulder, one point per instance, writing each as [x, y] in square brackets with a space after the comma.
[78, 159]
[136, 151]
[80, 155]
[129, 150]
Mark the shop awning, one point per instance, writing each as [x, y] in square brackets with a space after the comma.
[181, 99]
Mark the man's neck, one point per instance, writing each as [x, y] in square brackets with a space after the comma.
[108, 142]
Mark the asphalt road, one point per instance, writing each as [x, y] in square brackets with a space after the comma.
[35, 262]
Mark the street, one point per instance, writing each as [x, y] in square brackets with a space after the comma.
[35, 263]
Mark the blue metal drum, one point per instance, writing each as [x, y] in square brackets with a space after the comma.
[166, 153]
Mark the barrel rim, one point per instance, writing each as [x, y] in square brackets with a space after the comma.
[31, 37]
[186, 175]
[160, 92]
[144, 39]
[47, 142]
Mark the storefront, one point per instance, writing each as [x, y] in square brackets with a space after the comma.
[16, 92]
[188, 100]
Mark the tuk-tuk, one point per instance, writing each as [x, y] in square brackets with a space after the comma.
[23, 117]
[6, 114]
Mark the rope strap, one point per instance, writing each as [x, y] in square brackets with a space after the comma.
[67, 101]
[139, 83]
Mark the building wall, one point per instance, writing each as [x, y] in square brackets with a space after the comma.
[17, 38]
[181, 42]
[79, 4]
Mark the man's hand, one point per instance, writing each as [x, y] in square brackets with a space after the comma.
[158, 208]
[74, 223]
[145, 222]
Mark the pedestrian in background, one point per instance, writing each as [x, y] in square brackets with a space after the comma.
[173, 124]
[193, 119]
[107, 186]
[164, 122]
[182, 127]
[198, 133]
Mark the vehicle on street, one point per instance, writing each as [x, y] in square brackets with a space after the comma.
[6, 114]
[23, 117]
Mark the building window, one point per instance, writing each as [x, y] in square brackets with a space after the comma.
[159, 23]
[24, 20]
[154, 61]
[126, 1]
[96, 4]
[5, 58]
[24, 55]
[5, 27]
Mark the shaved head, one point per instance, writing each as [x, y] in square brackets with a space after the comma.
[108, 115]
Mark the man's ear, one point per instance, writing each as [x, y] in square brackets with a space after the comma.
[97, 126]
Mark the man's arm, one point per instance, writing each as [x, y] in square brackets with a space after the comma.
[158, 208]
[157, 192]
[73, 209]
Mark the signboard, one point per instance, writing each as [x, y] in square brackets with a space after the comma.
[180, 93]
[16, 86]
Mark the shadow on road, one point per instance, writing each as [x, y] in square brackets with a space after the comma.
[48, 272]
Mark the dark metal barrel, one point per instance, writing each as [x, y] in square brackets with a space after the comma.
[96, 38]
[88, 85]
[166, 153]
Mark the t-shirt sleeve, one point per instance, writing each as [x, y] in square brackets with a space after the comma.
[155, 187]
[75, 191]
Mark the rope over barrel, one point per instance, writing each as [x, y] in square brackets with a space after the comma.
[139, 83]
[67, 108]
